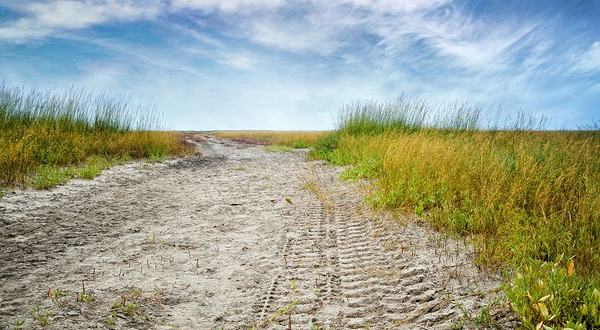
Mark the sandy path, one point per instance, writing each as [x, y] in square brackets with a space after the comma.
[211, 242]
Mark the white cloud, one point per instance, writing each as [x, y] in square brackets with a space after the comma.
[588, 61]
[227, 5]
[136, 55]
[238, 61]
[42, 19]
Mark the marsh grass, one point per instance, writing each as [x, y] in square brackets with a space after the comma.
[44, 135]
[528, 199]
[291, 139]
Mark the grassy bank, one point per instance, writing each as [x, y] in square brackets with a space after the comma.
[292, 139]
[529, 199]
[48, 137]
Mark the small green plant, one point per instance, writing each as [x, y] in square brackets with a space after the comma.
[131, 309]
[85, 297]
[93, 167]
[419, 209]
[40, 316]
[484, 319]
[239, 168]
[151, 239]
[18, 324]
[59, 297]
[459, 325]
[285, 310]
[157, 154]
[129, 305]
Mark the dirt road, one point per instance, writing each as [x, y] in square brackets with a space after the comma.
[236, 238]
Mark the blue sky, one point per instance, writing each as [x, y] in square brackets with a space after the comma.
[277, 64]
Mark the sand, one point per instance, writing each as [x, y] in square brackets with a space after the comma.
[235, 238]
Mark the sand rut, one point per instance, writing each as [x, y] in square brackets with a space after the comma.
[228, 239]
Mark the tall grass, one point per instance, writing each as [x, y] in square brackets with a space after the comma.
[45, 129]
[407, 113]
[529, 199]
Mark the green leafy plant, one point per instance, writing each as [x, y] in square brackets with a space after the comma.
[151, 239]
[18, 324]
[551, 294]
[59, 297]
[40, 316]
[85, 297]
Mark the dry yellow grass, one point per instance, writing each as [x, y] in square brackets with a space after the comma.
[294, 139]
[45, 131]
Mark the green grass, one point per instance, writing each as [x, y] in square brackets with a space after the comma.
[48, 176]
[528, 199]
[47, 137]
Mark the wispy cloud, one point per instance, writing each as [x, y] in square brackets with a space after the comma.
[42, 19]
[228, 5]
[589, 60]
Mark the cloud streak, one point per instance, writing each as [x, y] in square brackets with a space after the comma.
[46, 19]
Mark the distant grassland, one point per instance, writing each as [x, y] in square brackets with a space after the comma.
[292, 139]
[46, 137]
[528, 199]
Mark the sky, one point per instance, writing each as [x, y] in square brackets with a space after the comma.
[291, 65]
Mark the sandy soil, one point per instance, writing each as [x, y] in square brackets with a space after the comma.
[236, 238]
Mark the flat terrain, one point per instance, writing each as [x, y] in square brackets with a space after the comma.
[236, 238]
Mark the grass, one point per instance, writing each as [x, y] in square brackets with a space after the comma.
[278, 148]
[528, 199]
[47, 137]
[291, 139]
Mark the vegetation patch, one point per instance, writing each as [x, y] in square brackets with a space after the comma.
[47, 137]
[278, 148]
[134, 306]
[292, 139]
[528, 198]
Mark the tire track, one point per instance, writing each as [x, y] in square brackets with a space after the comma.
[381, 289]
[346, 267]
[309, 276]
